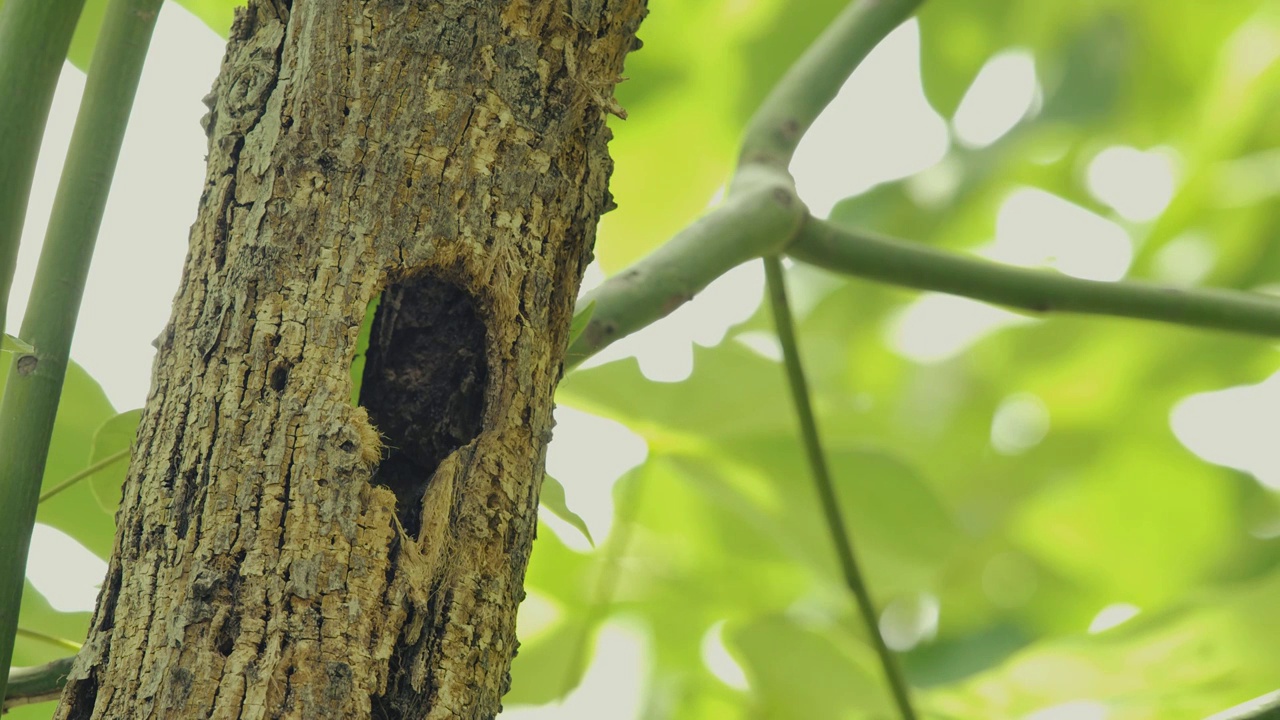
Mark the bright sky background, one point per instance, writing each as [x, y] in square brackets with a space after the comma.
[157, 186]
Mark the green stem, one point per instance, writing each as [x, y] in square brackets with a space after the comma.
[87, 472]
[918, 266]
[743, 229]
[57, 641]
[1266, 707]
[840, 537]
[812, 82]
[762, 213]
[668, 278]
[34, 37]
[37, 684]
[758, 220]
[31, 394]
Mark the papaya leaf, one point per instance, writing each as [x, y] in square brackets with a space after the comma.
[12, 344]
[113, 439]
[553, 499]
[580, 320]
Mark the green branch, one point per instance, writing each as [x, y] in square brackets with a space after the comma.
[36, 684]
[35, 380]
[840, 537]
[813, 81]
[757, 221]
[762, 213]
[669, 277]
[1266, 707]
[43, 682]
[744, 229]
[34, 37]
[925, 268]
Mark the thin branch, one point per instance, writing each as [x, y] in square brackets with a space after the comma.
[36, 684]
[760, 219]
[813, 81]
[840, 537]
[918, 266]
[771, 139]
[1266, 707]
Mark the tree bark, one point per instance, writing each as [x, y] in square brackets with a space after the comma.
[281, 553]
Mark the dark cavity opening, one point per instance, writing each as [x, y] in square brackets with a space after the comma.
[279, 377]
[424, 382]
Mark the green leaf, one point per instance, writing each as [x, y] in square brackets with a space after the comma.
[38, 616]
[732, 391]
[724, 549]
[12, 344]
[543, 671]
[803, 673]
[1162, 526]
[217, 14]
[903, 533]
[82, 409]
[559, 572]
[1202, 657]
[86, 36]
[1090, 72]
[113, 439]
[362, 348]
[580, 320]
[889, 506]
[553, 499]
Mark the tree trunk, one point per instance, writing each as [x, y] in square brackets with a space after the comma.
[281, 553]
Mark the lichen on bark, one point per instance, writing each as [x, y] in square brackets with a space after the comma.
[265, 563]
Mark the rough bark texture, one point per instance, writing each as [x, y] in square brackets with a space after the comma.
[273, 558]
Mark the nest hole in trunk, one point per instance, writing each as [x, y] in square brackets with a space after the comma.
[423, 383]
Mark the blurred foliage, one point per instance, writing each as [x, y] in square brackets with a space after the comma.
[719, 532]
[1019, 551]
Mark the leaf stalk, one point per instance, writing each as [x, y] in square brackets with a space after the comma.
[34, 384]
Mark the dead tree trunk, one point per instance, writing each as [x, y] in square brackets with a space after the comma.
[281, 553]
